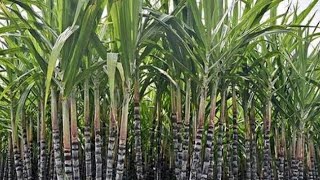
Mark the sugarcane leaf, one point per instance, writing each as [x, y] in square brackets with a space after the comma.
[85, 74]
[163, 73]
[63, 37]
[99, 47]
[23, 98]
[111, 71]
[15, 82]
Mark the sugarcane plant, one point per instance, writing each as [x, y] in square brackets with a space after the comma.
[170, 89]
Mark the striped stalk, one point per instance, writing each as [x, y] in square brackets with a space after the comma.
[294, 169]
[316, 166]
[74, 137]
[15, 140]
[179, 134]
[138, 159]
[175, 143]
[159, 132]
[212, 119]
[253, 144]
[56, 135]
[266, 148]
[18, 162]
[137, 130]
[220, 151]
[150, 166]
[298, 156]
[228, 154]
[301, 170]
[185, 141]
[111, 145]
[24, 168]
[27, 156]
[37, 155]
[87, 133]
[282, 153]
[103, 139]
[248, 159]
[66, 139]
[281, 167]
[311, 164]
[266, 161]
[43, 153]
[196, 156]
[88, 154]
[24, 144]
[175, 131]
[9, 163]
[3, 169]
[123, 132]
[286, 168]
[31, 147]
[185, 152]
[208, 171]
[121, 158]
[51, 163]
[43, 159]
[248, 134]
[75, 159]
[208, 152]
[228, 150]
[235, 153]
[98, 143]
[293, 166]
[113, 129]
[179, 154]
[220, 136]
[280, 159]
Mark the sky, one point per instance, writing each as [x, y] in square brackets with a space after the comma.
[302, 4]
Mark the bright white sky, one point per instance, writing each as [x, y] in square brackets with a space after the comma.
[302, 4]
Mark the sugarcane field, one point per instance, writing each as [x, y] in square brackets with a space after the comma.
[160, 89]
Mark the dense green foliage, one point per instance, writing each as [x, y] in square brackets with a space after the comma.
[168, 89]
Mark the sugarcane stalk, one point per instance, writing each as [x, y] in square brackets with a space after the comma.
[74, 137]
[66, 138]
[56, 135]
[248, 133]
[185, 143]
[123, 132]
[27, 157]
[235, 153]
[43, 153]
[15, 141]
[220, 135]
[97, 127]
[266, 148]
[87, 133]
[137, 129]
[196, 158]
[9, 163]
[207, 170]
